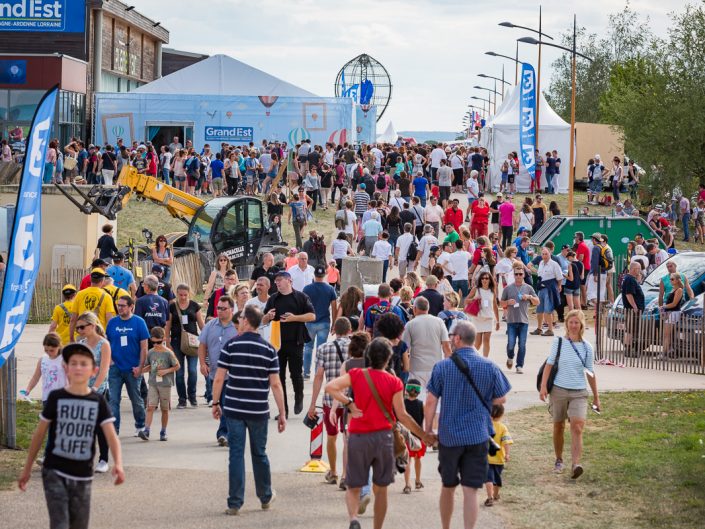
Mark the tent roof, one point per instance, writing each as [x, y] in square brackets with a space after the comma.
[389, 135]
[508, 116]
[222, 75]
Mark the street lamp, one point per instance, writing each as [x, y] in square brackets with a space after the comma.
[538, 80]
[484, 112]
[573, 51]
[515, 59]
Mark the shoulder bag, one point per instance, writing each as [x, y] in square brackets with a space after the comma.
[554, 370]
[189, 342]
[492, 447]
[399, 444]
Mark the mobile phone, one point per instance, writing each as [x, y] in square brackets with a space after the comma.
[596, 409]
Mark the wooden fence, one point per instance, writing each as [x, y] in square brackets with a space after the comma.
[186, 269]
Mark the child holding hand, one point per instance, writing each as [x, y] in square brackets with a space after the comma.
[496, 466]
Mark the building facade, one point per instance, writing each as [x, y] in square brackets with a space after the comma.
[84, 47]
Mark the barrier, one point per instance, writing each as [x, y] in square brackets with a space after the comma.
[316, 464]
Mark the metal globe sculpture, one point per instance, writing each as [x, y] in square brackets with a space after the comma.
[367, 82]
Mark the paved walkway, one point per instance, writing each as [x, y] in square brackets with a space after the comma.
[183, 483]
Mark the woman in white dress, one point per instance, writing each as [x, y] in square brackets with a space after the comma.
[487, 318]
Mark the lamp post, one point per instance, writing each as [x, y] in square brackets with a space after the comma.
[538, 80]
[515, 59]
[484, 112]
[490, 90]
[575, 54]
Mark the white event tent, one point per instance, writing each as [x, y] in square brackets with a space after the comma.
[389, 135]
[501, 136]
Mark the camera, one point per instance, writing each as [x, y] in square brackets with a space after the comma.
[492, 447]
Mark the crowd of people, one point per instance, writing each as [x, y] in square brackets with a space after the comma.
[382, 364]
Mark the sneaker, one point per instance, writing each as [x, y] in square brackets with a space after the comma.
[138, 431]
[330, 478]
[510, 363]
[232, 511]
[193, 403]
[364, 502]
[354, 525]
[519, 370]
[209, 403]
[222, 441]
[181, 406]
[536, 332]
[143, 434]
[102, 467]
[558, 466]
[163, 437]
[342, 485]
[577, 472]
[267, 505]
[547, 333]
[40, 461]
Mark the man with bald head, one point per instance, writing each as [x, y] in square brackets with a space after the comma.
[301, 273]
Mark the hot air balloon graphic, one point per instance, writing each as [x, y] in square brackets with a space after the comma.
[338, 137]
[298, 135]
[228, 114]
[359, 129]
[365, 108]
[267, 101]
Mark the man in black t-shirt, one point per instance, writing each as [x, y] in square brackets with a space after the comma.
[494, 208]
[292, 309]
[267, 270]
[163, 289]
[633, 300]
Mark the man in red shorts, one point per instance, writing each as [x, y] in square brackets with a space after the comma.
[329, 359]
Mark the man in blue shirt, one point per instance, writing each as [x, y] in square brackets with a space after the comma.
[217, 175]
[122, 277]
[465, 425]
[325, 303]
[251, 368]
[128, 337]
[421, 187]
[151, 307]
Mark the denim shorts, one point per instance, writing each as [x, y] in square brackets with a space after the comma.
[571, 291]
[545, 302]
[494, 474]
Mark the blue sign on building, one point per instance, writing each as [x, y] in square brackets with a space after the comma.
[228, 134]
[13, 72]
[63, 16]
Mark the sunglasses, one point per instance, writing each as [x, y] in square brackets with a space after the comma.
[227, 307]
[81, 327]
[520, 274]
[413, 388]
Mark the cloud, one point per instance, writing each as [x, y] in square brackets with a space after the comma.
[433, 49]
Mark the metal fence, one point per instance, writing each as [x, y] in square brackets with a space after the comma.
[667, 341]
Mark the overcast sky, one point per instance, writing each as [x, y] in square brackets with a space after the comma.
[433, 49]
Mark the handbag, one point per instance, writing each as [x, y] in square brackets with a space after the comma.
[492, 446]
[189, 341]
[473, 308]
[70, 163]
[554, 370]
[399, 444]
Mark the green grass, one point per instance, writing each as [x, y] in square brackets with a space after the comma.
[12, 461]
[644, 465]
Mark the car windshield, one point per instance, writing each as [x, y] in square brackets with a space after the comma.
[203, 223]
[690, 264]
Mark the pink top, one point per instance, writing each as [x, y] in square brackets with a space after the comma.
[506, 214]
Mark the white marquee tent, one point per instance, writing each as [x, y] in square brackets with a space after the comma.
[501, 136]
[389, 135]
[222, 75]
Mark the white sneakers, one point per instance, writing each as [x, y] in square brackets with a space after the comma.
[102, 467]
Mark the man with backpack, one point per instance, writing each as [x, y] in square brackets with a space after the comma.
[383, 306]
[601, 260]
[405, 250]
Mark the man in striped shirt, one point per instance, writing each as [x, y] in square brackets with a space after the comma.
[247, 368]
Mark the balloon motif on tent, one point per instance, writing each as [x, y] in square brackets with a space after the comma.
[359, 129]
[298, 135]
[365, 108]
[338, 137]
[267, 101]
[228, 114]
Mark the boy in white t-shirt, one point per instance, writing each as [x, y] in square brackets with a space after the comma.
[383, 250]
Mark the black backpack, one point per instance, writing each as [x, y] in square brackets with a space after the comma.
[413, 251]
[381, 182]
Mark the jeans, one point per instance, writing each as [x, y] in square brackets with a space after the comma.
[209, 389]
[68, 500]
[514, 331]
[461, 285]
[165, 175]
[318, 331]
[549, 183]
[297, 233]
[116, 379]
[257, 429]
[686, 226]
[103, 448]
[190, 363]
[292, 354]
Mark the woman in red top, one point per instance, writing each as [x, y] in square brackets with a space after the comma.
[480, 217]
[370, 441]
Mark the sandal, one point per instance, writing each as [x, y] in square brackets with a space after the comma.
[489, 502]
[342, 485]
[419, 485]
[407, 490]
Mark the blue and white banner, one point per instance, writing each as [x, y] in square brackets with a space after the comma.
[527, 119]
[228, 134]
[23, 256]
[62, 16]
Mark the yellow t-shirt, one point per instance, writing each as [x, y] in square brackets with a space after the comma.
[501, 437]
[89, 300]
[63, 319]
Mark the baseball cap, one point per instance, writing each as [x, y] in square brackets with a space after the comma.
[320, 271]
[119, 256]
[99, 262]
[362, 186]
[68, 288]
[565, 247]
[597, 236]
[284, 274]
[69, 350]
[157, 268]
[521, 229]
[98, 272]
[499, 194]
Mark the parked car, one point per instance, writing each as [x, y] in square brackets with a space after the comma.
[691, 264]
